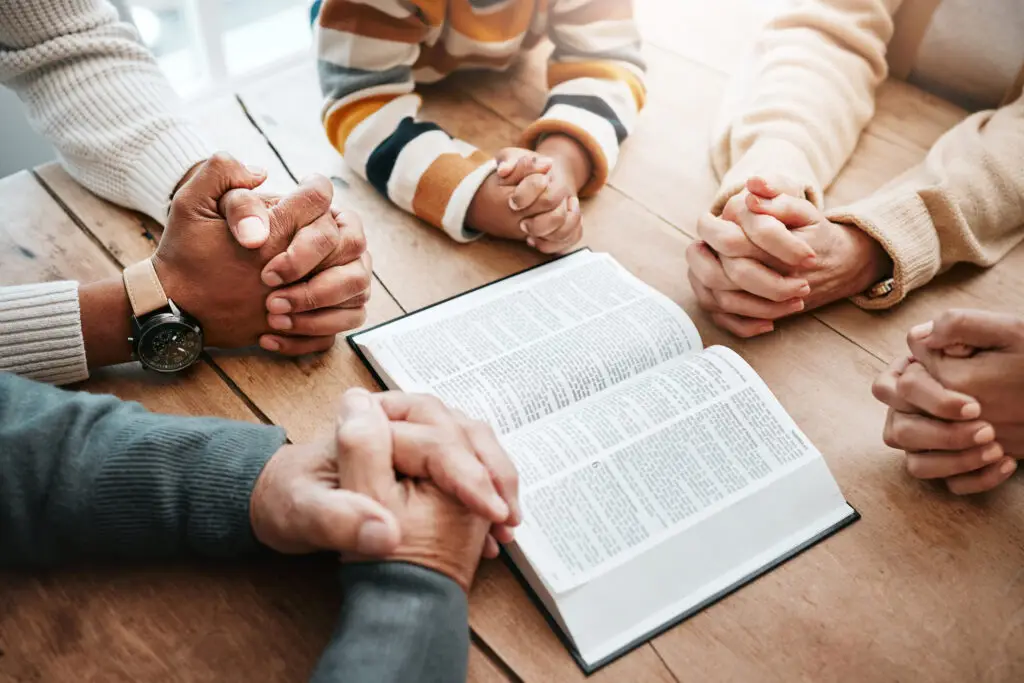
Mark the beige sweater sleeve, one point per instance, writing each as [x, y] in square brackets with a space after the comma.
[97, 94]
[809, 90]
[964, 203]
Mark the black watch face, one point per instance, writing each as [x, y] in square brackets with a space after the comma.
[169, 344]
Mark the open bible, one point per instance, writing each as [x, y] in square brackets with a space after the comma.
[656, 477]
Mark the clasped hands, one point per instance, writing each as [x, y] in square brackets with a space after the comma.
[288, 273]
[341, 493]
[772, 253]
[533, 195]
[955, 403]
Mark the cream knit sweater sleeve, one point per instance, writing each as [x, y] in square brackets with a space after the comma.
[806, 95]
[98, 96]
[802, 109]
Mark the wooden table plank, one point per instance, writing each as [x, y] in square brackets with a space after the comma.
[210, 622]
[913, 539]
[288, 625]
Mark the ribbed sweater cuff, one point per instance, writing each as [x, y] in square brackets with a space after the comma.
[454, 220]
[41, 333]
[769, 158]
[904, 228]
[174, 484]
[160, 166]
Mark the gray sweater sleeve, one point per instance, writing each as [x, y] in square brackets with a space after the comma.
[93, 476]
[399, 622]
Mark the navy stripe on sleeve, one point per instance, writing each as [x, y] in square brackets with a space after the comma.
[593, 104]
[382, 160]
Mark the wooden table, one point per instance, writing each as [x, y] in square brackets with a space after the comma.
[926, 587]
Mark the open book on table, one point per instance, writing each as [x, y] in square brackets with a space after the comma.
[656, 477]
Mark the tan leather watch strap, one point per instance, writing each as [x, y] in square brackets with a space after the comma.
[144, 289]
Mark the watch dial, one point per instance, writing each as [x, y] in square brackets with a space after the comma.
[171, 346]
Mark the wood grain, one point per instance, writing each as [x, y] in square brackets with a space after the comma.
[871, 604]
[202, 622]
[246, 621]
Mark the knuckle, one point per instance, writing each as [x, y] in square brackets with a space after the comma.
[309, 298]
[907, 384]
[220, 160]
[319, 190]
[323, 240]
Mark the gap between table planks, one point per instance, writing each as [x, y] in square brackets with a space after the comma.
[867, 591]
[236, 621]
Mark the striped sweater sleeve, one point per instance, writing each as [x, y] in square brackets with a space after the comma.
[366, 50]
[596, 76]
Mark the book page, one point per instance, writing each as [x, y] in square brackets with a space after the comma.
[615, 474]
[532, 350]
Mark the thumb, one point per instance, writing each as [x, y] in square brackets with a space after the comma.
[365, 450]
[773, 187]
[346, 521]
[299, 208]
[793, 212]
[217, 175]
[247, 216]
[969, 328]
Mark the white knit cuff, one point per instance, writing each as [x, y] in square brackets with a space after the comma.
[769, 158]
[454, 221]
[41, 333]
[161, 165]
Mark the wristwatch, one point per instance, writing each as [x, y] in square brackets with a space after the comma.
[883, 288]
[164, 337]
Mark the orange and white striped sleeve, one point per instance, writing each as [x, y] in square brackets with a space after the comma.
[596, 75]
[366, 50]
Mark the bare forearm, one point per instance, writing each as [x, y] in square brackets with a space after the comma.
[106, 322]
[572, 154]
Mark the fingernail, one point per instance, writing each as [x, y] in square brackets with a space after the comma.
[251, 229]
[280, 322]
[531, 242]
[992, 453]
[797, 304]
[1008, 466]
[374, 538]
[524, 228]
[504, 168]
[770, 327]
[279, 305]
[971, 411]
[270, 344]
[805, 290]
[810, 260]
[512, 204]
[923, 330]
[984, 435]
[574, 204]
[499, 507]
[256, 170]
[272, 279]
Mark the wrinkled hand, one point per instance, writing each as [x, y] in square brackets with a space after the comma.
[772, 254]
[230, 289]
[439, 531]
[954, 405]
[337, 493]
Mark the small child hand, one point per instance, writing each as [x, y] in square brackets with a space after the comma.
[544, 199]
